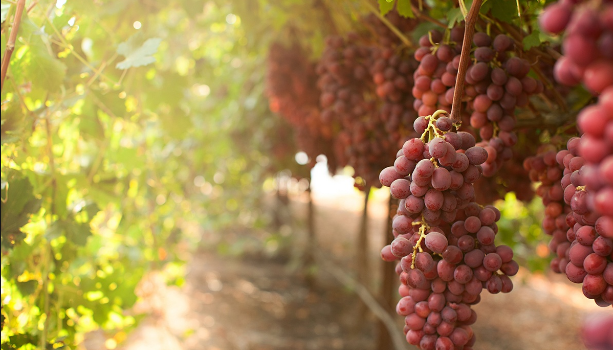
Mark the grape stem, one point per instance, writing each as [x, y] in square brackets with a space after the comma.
[431, 129]
[423, 227]
[10, 44]
[471, 20]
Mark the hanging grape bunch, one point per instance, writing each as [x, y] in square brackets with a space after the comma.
[443, 238]
[392, 74]
[349, 105]
[291, 86]
[587, 45]
[496, 84]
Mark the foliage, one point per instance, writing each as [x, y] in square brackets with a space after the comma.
[117, 124]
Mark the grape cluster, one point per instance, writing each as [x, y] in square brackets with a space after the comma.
[596, 148]
[443, 238]
[588, 44]
[436, 74]
[589, 256]
[392, 74]
[512, 176]
[351, 75]
[544, 169]
[344, 80]
[596, 332]
[291, 87]
[495, 84]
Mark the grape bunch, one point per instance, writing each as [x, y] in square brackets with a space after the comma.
[443, 238]
[587, 45]
[495, 85]
[436, 74]
[544, 169]
[291, 87]
[596, 332]
[596, 148]
[350, 75]
[344, 80]
[512, 176]
[392, 74]
[589, 256]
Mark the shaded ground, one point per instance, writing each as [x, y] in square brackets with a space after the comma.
[260, 304]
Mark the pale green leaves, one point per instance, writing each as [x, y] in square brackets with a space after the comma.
[137, 55]
[532, 40]
[35, 59]
[385, 6]
[404, 8]
[5, 11]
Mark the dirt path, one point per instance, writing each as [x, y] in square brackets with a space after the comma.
[262, 304]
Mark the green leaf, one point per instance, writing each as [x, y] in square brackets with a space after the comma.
[385, 6]
[135, 55]
[404, 8]
[5, 11]
[422, 29]
[16, 210]
[532, 40]
[28, 287]
[454, 16]
[485, 7]
[12, 124]
[504, 10]
[36, 63]
[78, 233]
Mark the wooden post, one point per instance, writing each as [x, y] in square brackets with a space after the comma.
[362, 247]
[387, 294]
[309, 261]
[361, 258]
[276, 219]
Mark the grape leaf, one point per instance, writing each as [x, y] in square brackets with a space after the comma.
[27, 287]
[20, 203]
[532, 40]
[385, 6]
[44, 70]
[5, 11]
[454, 16]
[135, 55]
[77, 232]
[504, 10]
[404, 8]
[12, 124]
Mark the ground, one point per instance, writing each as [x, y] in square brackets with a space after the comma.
[258, 303]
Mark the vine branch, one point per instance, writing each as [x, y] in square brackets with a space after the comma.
[10, 44]
[471, 20]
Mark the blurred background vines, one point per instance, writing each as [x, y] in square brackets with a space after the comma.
[130, 127]
[117, 153]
